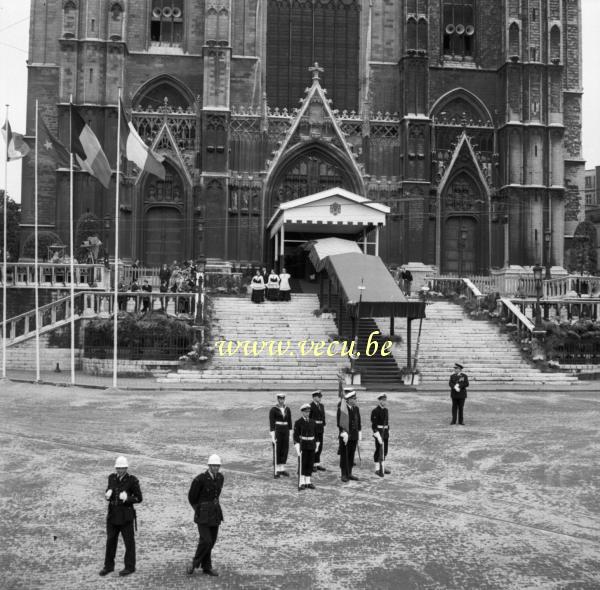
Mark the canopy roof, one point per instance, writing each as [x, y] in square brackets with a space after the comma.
[322, 248]
[381, 295]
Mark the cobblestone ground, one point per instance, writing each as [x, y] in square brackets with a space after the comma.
[511, 500]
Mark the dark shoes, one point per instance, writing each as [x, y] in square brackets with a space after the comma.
[353, 477]
[451, 423]
[104, 571]
[126, 572]
[210, 573]
[301, 487]
[190, 569]
[276, 475]
[310, 486]
[319, 468]
[344, 478]
[284, 473]
[387, 471]
[461, 423]
[379, 473]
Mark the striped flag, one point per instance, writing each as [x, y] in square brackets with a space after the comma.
[17, 148]
[87, 149]
[136, 151]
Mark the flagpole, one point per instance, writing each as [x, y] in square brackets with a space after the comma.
[115, 301]
[71, 240]
[36, 255]
[4, 278]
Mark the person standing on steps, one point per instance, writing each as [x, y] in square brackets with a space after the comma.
[280, 424]
[458, 393]
[305, 444]
[317, 413]
[204, 498]
[122, 492]
[381, 432]
[284, 285]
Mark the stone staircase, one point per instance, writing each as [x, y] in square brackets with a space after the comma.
[238, 319]
[449, 336]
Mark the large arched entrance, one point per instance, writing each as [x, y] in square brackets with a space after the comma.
[465, 236]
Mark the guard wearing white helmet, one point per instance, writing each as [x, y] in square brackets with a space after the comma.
[204, 497]
[122, 492]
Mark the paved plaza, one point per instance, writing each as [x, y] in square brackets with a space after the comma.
[511, 500]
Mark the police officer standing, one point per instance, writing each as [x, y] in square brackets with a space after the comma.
[381, 432]
[349, 425]
[280, 424]
[317, 413]
[122, 492]
[204, 498]
[458, 393]
[306, 444]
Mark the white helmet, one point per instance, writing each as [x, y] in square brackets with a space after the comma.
[214, 460]
[121, 462]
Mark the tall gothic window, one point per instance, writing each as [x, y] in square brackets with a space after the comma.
[166, 23]
[70, 17]
[458, 28]
[301, 32]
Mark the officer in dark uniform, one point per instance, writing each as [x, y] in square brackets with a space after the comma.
[122, 492]
[305, 442]
[349, 434]
[317, 413]
[458, 392]
[204, 498]
[280, 424]
[381, 432]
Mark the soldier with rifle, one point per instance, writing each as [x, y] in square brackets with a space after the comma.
[317, 413]
[280, 424]
[349, 425]
[305, 443]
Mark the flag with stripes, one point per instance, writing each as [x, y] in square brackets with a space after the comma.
[17, 148]
[87, 149]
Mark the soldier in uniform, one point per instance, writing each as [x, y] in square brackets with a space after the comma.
[280, 424]
[305, 442]
[458, 392]
[349, 434]
[204, 498]
[122, 492]
[317, 413]
[381, 432]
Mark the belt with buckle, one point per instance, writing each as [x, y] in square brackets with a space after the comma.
[307, 437]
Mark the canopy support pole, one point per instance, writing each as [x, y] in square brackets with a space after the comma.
[408, 342]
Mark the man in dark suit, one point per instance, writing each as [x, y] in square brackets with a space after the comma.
[350, 433]
[458, 392]
[204, 498]
[122, 492]
[317, 413]
[381, 433]
[280, 424]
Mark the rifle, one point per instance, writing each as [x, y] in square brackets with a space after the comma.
[299, 466]
[382, 462]
[275, 458]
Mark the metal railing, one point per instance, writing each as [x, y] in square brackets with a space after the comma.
[513, 315]
[577, 353]
[146, 345]
[53, 275]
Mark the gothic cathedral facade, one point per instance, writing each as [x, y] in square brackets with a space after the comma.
[464, 116]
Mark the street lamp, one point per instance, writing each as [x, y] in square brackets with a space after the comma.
[537, 278]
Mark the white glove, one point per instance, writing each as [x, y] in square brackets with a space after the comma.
[297, 446]
[344, 436]
[123, 496]
[377, 435]
[360, 435]
[272, 436]
[457, 387]
[108, 494]
[317, 447]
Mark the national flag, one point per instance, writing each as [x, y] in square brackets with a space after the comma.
[136, 151]
[87, 149]
[50, 146]
[17, 148]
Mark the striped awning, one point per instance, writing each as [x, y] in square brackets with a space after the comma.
[322, 248]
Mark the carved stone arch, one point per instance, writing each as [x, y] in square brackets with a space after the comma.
[153, 93]
[555, 35]
[318, 151]
[514, 40]
[70, 18]
[462, 98]
[115, 20]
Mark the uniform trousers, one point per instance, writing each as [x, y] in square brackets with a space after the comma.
[208, 538]
[347, 452]
[377, 453]
[283, 446]
[307, 463]
[112, 538]
[457, 407]
[319, 439]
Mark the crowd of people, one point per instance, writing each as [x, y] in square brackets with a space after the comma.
[271, 286]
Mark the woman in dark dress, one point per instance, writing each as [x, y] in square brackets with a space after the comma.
[257, 285]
